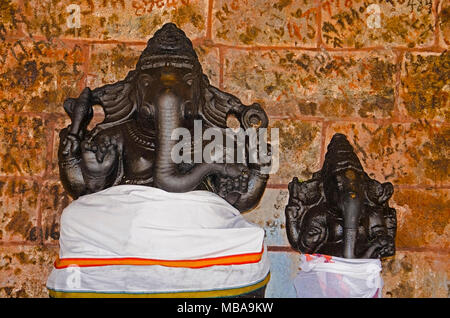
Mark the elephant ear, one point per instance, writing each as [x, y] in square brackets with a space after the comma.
[379, 193]
[117, 101]
[218, 105]
[388, 190]
[305, 194]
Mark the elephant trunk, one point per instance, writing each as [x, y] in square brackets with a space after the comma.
[166, 174]
[351, 207]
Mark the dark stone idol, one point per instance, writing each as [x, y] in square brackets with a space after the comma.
[133, 144]
[341, 211]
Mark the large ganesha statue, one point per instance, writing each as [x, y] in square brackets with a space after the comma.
[133, 144]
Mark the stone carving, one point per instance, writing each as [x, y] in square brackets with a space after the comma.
[132, 145]
[341, 211]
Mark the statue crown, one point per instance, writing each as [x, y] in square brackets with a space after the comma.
[340, 156]
[168, 44]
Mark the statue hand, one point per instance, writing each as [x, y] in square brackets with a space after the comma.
[292, 225]
[80, 111]
[237, 184]
[71, 145]
[295, 190]
[382, 246]
[291, 212]
[110, 95]
[99, 160]
[234, 170]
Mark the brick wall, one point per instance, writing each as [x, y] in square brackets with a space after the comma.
[378, 75]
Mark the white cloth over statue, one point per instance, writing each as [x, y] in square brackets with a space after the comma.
[139, 241]
[324, 276]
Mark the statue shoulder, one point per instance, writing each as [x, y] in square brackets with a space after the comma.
[116, 132]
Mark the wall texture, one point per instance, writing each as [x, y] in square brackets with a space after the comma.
[378, 74]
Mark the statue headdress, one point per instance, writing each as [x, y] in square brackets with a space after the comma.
[169, 46]
[340, 155]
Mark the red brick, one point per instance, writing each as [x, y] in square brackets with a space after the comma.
[115, 19]
[53, 200]
[10, 18]
[23, 145]
[348, 23]
[424, 86]
[423, 218]
[289, 83]
[265, 22]
[38, 76]
[404, 154]
[18, 210]
[416, 275]
[299, 149]
[444, 23]
[24, 270]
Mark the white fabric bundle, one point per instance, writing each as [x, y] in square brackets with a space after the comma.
[140, 221]
[138, 239]
[324, 276]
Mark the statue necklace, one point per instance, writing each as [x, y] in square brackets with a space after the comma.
[147, 141]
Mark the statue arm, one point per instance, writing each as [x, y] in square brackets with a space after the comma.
[292, 218]
[100, 164]
[313, 236]
[245, 191]
[305, 218]
[381, 238]
[69, 159]
[85, 165]
[69, 152]
[251, 197]
[305, 233]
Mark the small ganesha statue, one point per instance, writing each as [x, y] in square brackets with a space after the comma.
[341, 211]
[133, 144]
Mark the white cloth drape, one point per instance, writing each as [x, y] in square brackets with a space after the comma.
[323, 276]
[130, 222]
